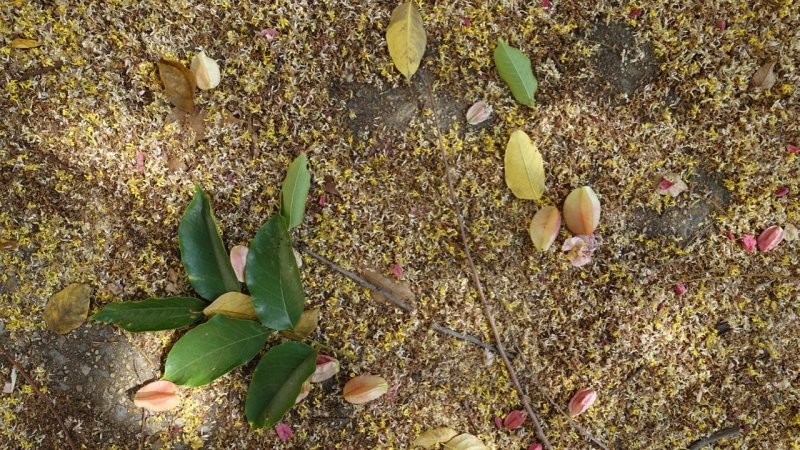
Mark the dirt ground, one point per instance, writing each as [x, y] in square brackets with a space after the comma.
[627, 91]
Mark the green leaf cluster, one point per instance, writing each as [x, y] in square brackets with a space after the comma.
[219, 345]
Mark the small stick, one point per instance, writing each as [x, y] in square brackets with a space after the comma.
[487, 309]
[30, 73]
[721, 434]
[41, 395]
[392, 298]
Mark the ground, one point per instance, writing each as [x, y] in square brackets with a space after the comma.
[627, 92]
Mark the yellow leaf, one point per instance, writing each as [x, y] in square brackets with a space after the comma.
[544, 227]
[465, 441]
[582, 211]
[406, 38]
[179, 84]
[524, 167]
[431, 438]
[67, 309]
[24, 43]
[305, 326]
[234, 305]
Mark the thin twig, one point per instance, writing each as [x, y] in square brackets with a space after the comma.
[392, 298]
[721, 434]
[144, 420]
[487, 309]
[41, 395]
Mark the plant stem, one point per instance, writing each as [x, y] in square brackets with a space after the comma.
[41, 395]
[487, 309]
[721, 434]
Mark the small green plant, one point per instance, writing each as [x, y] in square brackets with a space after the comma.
[227, 340]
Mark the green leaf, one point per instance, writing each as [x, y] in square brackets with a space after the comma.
[515, 69]
[277, 381]
[213, 349]
[204, 256]
[295, 191]
[273, 277]
[153, 314]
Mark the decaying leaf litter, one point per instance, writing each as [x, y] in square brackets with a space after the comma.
[665, 374]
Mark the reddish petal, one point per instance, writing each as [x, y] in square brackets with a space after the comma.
[722, 24]
[781, 191]
[749, 242]
[397, 270]
[514, 420]
[284, 431]
[791, 148]
[635, 13]
[680, 289]
[546, 4]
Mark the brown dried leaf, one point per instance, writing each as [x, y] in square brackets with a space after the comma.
[765, 77]
[364, 388]
[24, 43]
[400, 289]
[8, 244]
[305, 325]
[179, 84]
[157, 396]
[68, 308]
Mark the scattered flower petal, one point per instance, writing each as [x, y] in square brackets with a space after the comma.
[764, 78]
[364, 388]
[635, 13]
[770, 238]
[546, 4]
[680, 288]
[479, 112]
[722, 24]
[579, 249]
[535, 447]
[671, 184]
[139, 161]
[749, 242]
[791, 148]
[498, 422]
[327, 367]
[206, 71]
[397, 270]
[157, 396]
[238, 261]
[790, 232]
[466, 21]
[781, 191]
[284, 431]
[730, 235]
[514, 420]
[581, 401]
[268, 34]
[8, 387]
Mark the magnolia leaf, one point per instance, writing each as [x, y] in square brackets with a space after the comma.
[400, 289]
[158, 396]
[295, 191]
[305, 389]
[213, 349]
[305, 326]
[406, 38]
[234, 305]
[153, 314]
[179, 84]
[203, 254]
[582, 211]
[524, 167]
[205, 70]
[364, 388]
[24, 43]
[515, 69]
[544, 227]
[277, 382]
[239, 261]
[327, 366]
[273, 277]
[765, 77]
[431, 438]
[67, 309]
[465, 441]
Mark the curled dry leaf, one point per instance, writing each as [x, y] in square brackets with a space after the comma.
[179, 84]
[432, 438]
[20, 43]
[327, 367]
[465, 441]
[406, 38]
[479, 112]
[364, 388]
[582, 211]
[544, 227]
[239, 260]
[8, 244]
[305, 325]
[770, 238]
[581, 401]
[157, 396]
[68, 308]
[284, 431]
[206, 71]
[671, 184]
[234, 305]
[764, 78]
[524, 167]
[400, 289]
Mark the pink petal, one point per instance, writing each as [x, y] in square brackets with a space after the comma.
[157, 396]
[397, 270]
[268, 34]
[749, 242]
[323, 200]
[238, 261]
[722, 24]
[781, 191]
[579, 249]
[546, 4]
[635, 13]
[581, 401]
[466, 21]
[139, 161]
[665, 184]
[498, 422]
[514, 420]
[791, 148]
[7, 388]
[535, 447]
[730, 235]
[770, 238]
[680, 289]
[284, 431]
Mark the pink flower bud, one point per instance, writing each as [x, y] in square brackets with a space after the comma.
[514, 420]
[781, 191]
[479, 112]
[581, 401]
[770, 238]
[749, 242]
[680, 289]
[791, 148]
[722, 24]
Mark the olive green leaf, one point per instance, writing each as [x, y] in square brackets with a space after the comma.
[515, 69]
[273, 277]
[213, 349]
[295, 191]
[153, 314]
[277, 381]
[203, 254]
